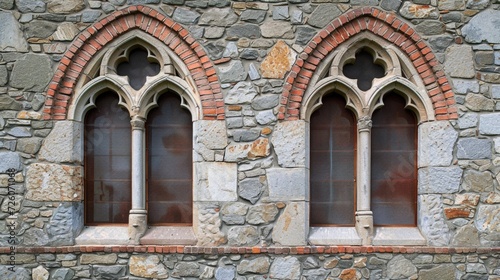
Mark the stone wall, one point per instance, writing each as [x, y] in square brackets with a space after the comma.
[257, 145]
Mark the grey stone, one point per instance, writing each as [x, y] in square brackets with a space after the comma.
[186, 269]
[452, 17]
[400, 267]
[463, 86]
[63, 274]
[30, 6]
[264, 102]
[10, 160]
[64, 144]
[436, 141]
[323, 14]
[489, 124]
[287, 184]
[246, 135]
[215, 49]
[460, 55]
[4, 75]
[29, 145]
[292, 225]
[296, 17]
[483, 27]
[40, 28]
[218, 17]
[6, 4]
[478, 181]
[253, 16]
[234, 72]
[8, 103]
[231, 50]
[473, 148]
[20, 131]
[290, 144]
[441, 272]
[237, 31]
[468, 120]
[19, 273]
[91, 16]
[438, 180]
[233, 213]
[225, 273]
[148, 266]
[467, 236]
[213, 32]
[185, 16]
[477, 4]
[174, 2]
[280, 13]
[253, 72]
[285, 268]
[304, 34]
[216, 181]
[483, 58]
[250, 189]
[390, 5]
[235, 122]
[243, 236]
[262, 214]
[431, 220]
[241, 93]
[197, 4]
[32, 73]
[476, 268]
[258, 265]
[109, 272]
[478, 102]
[65, 224]
[196, 31]
[219, 3]
[108, 7]
[415, 11]
[11, 37]
[265, 117]
[249, 54]
[451, 5]
[65, 6]
[431, 27]
[440, 43]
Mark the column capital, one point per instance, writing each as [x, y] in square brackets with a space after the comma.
[138, 122]
[364, 123]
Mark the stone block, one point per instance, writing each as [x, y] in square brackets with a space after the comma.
[250, 189]
[233, 213]
[64, 143]
[241, 93]
[434, 180]
[207, 223]
[489, 124]
[32, 73]
[473, 148]
[253, 16]
[415, 11]
[468, 120]
[477, 181]
[109, 272]
[451, 5]
[288, 184]
[323, 14]
[11, 37]
[11, 162]
[483, 27]
[441, 272]
[54, 182]
[233, 72]
[478, 102]
[185, 16]
[218, 17]
[467, 236]
[215, 181]
[291, 228]
[431, 220]
[278, 61]
[65, 6]
[148, 266]
[186, 269]
[277, 29]
[259, 265]
[436, 142]
[488, 219]
[212, 134]
[98, 259]
[285, 268]
[238, 151]
[266, 101]
[460, 55]
[464, 86]
[262, 214]
[290, 143]
[243, 236]
[237, 31]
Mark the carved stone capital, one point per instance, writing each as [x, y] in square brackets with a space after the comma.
[138, 123]
[364, 123]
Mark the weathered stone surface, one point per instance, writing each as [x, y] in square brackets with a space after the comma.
[185, 16]
[444, 272]
[225, 273]
[250, 189]
[466, 236]
[40, 28]
[65, 224]
[19, 273]
[149, 266]
[186, 269]
[430, 27]
[64, 143]
[399, 267]
[264, 102]
[258, 265]
[243, 236]
[233, 213]
[291, 227]
[457, 212]
[439, 179]
[241, 93]
[483, 27]
[30, 6]
[63, 273]
[53, 182]
[278, 61]
[10, 161]
[304, 34]
[431, 220]
[436, 141]
[265, 117]
[6, 4]
[488, 219]
[477, 4]
[29, 145]
[218, 17]
[91, 16]
[8, 103]
[477, 181]
[101, 259]
[414, 11]
[109, 272]
[32, 73]
[440, 43]
[246, 135]
[11, 37]
[285, 268]
[233, 72]
[473, 148]
[40, 273]
[20, 132]
[66, 31]
[451, 5]
[468, 120]
[464, 86]
[469, 199]
[238, 151]
[253, 16]
[65, 6]
[489, 124]
[289, 143]
[478, 102]
[210, 136]
[4, 75]
[262, 214]
[323, 14]
[460, 55]
[216, 181]
[391, 5]
[287, 184]
[277, 29]
[209, 224]
[237, 31]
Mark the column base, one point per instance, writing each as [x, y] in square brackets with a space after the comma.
[364, 226]
[137, 225]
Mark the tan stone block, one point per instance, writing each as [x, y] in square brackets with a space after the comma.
[98, 259]
[148, 266]
[279, 61]
[259, 148]
[54, 182]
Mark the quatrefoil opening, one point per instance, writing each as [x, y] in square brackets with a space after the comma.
[137, 67]
[364, 70]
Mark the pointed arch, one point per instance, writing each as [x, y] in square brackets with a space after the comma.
[100, 34]
[390, 28]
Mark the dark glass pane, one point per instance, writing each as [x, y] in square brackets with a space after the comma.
[332, 152]
[138, 68]
[364, 70]
[393, 169]
[107, 162]
[169, 148]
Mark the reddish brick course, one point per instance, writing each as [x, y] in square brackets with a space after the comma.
[380, 23]
[95, 37]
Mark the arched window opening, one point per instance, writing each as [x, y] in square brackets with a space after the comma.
[137, 67]
[394, 164]
[107, 162]
[364, 70]
[169, 168]
[332, 155]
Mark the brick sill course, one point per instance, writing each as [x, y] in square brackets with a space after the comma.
[301, 250]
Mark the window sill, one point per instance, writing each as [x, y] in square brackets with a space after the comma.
[334, 236]
[400, 236]
[103, 235]
[165, 235]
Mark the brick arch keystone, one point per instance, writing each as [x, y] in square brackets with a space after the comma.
[97, 36]
[380, 23]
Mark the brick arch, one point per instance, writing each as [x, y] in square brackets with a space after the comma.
[95, 37]
[380, 23]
